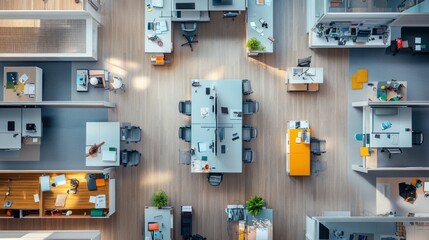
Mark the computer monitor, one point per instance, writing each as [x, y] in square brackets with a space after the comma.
[222, 2]
[304, 62]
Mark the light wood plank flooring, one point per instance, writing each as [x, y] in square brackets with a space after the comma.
[151, 100]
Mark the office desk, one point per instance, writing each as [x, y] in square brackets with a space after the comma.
[97, 132]
[164, 218]
[255, 14]
[158, 15]
[417, 37]
[237, 5]
[300, 75]
[298, 148]
[19, 89]
[397, 136]
[205, 121]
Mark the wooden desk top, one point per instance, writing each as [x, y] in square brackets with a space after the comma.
[80, 200]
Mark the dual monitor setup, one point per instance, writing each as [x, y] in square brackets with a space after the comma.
[347, 31]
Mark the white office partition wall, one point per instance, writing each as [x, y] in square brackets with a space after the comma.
[65, 35]
[59, 235]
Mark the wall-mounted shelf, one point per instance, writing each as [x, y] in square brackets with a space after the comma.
[413, 104]
[62, 104]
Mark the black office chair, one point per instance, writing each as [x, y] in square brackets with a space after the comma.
[130, 158]
[189, 31]
[317, 146]
[391, 151]
[215, 179]
[304, 62]
[417, 138]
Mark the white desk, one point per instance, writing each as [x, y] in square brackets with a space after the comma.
[108, 132]
[237, 5]
[229, 94]
[300, 75]
[397, 136]
[256, 12]
[155, 16]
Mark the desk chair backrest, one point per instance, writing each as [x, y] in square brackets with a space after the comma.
[185, 107]
[130, 134]
[247, 87]
[185, 133]
[417, 138]
[304, 62]
[250, 107]
[189, 29]
[317, 146]
[184, 156]
[247, 155]
[249, 133]
[215, 179]
[130, 158]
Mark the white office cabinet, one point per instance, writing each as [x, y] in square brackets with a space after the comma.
[10, 128]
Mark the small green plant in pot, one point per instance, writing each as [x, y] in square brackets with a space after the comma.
[255, 205]
[254, 44]
[160, 199]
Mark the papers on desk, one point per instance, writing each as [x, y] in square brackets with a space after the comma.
[204, 112]
[161, 26]
[30, 89]
[158, 3]
[61, 200]
[23, 78]
[108, 155]
[418, 40]
[203, 146]
[100, 201]
[60, 180]
[92, 199]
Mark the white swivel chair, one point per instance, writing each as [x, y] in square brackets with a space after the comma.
[116, 84]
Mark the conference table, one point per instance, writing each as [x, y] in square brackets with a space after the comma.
[216, 131]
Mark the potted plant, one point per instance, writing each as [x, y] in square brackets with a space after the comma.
[255, 205]
[160, 199]
[254, 44]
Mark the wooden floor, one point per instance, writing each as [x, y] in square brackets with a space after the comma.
[151, 101]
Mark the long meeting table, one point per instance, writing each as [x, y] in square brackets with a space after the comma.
[217, 126]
